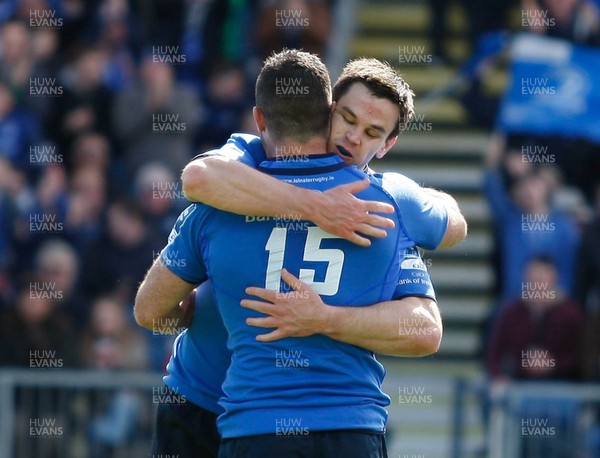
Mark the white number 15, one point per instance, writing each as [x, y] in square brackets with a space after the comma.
[312, 252]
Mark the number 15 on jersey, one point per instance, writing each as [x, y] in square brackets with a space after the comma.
[276, 245]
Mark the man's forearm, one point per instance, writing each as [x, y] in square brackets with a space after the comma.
[407, 327]
[234, 187]
[157, 300]
[411, 326]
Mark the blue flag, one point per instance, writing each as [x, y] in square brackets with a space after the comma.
[554, 89]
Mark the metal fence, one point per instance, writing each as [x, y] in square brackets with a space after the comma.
[79, 414]
[532, 420]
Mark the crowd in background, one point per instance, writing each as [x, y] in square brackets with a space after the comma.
[102, 103]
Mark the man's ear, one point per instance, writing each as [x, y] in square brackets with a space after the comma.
[386, 147]
[259, 119]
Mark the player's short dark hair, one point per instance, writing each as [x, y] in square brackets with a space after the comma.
[294, 92]
[383, 82]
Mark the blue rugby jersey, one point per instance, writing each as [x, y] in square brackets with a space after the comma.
[237, 251]
[200, 356]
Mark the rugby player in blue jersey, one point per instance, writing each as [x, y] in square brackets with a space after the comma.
[154, 296]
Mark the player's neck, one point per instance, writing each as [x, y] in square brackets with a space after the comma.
[315, 145]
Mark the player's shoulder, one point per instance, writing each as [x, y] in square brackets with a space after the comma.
[397, 181]
[193, 213]
[242, 147]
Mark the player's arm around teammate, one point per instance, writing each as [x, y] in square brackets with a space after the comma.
[363, 125]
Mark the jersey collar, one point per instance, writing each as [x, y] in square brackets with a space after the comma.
[313, 164]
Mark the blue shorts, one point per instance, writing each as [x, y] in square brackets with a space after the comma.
[185, 430]
[317, 444]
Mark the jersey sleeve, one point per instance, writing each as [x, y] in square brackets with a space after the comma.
[244, 148]
[423, 216]
[183, 253]
[413, 279]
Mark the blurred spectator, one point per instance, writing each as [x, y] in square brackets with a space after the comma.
[15, 196]
[112, 344]
[162, 20]
[87, 202]
[225, 104]
[158, 194]
[47, 64]
[587, 276]
[304, 24]
[538, 334]
[17, 60]
[119, 39]
[43, 217]
[157, 119]
[90, 149]
[117, 263]
[573, 20]
[35, 333]
[57, 268]
[19, 130]
[85, 104]
[527, 226]
[565, 198]
[537, 337]
[111, 341]
[480, 16]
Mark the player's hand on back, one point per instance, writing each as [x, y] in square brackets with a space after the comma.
[341, 213]
[298, 313]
